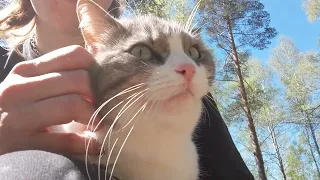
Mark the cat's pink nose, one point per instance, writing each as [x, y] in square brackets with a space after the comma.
[187, 70]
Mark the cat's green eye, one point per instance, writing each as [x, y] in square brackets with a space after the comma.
[142, 52]
[193, 53]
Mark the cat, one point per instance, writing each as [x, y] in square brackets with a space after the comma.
[148, 81]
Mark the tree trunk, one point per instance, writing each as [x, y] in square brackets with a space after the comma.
[311, 151]
[314, 138]
[244, 101]
[276, 148]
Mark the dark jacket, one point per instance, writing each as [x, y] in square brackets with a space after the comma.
[218, 155]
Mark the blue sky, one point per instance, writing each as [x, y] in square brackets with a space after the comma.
[290, 20]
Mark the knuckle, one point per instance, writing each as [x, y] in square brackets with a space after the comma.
[9, 90]
[20, 67]
[79, 50]
[82, 54]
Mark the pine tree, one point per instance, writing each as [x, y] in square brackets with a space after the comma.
[235, 25]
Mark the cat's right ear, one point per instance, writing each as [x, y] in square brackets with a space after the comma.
[95, 23]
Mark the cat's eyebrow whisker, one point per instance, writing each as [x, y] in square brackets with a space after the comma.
[191, 17]
[194, 34]
[135, 14]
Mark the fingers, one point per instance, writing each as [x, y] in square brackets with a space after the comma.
[63, 143]
[50, 85]
[49, 112]
[64, 59]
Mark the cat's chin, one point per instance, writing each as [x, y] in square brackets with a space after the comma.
[186, 95]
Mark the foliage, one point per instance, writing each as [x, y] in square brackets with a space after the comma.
[312, 9]
[248, 19]
[168, 9]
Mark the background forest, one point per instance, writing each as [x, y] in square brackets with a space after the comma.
[268, 76]
[267, 83]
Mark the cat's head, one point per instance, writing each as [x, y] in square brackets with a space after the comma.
[158, 59]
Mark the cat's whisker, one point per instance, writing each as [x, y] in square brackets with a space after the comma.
[109, 156]
[115, 121]
[130, 89]
[102, 105]
[120, 152]
[88, 145]
[112, 125]
[140, 110]
[129, 106]
[97, 111]
[127, 124]
[110, 153]
[126, 108]
[125, 140]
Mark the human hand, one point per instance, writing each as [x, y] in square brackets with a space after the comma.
[50, 90]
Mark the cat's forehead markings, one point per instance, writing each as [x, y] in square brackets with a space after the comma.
[175, 43]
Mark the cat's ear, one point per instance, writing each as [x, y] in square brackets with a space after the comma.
[94, 22]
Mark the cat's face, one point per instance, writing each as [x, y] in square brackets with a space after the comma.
[157, 60]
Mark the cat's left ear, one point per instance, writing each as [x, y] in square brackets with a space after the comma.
[94, 22]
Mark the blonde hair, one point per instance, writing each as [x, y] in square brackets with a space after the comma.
[17, 21]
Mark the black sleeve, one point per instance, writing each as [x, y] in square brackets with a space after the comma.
[219, 157]
[7, 61]
[41, 165]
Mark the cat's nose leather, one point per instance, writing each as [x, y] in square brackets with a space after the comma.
[187, 70]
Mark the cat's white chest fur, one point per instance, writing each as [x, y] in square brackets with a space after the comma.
[160, 150]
